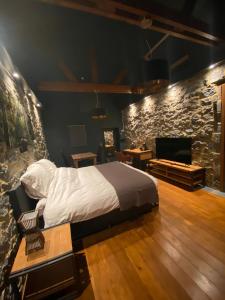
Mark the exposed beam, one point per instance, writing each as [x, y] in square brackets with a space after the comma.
[94, 65]
[104, 5]
[67, 72]
[168, 16]
[120, 76]
[179, 62]
[150, 52]
[61, 86]
[134, 16]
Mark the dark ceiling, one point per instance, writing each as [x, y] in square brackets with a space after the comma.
[37, 35]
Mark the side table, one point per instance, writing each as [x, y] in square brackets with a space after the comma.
[48, 270]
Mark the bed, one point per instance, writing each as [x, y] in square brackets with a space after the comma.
[90, 198]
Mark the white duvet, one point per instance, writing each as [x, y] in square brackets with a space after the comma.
[77, 195]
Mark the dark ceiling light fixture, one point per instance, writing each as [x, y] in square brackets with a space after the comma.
[98, 112]
[146, 23]
[157, 75]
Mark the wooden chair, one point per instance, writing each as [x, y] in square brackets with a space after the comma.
[120, 156]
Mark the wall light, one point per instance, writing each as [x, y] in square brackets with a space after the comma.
[38, 104]
[212, 66]
[16, 75]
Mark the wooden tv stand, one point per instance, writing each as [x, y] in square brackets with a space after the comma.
[187, 175]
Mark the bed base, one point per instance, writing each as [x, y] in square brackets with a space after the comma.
[82, 229]
[20, 203]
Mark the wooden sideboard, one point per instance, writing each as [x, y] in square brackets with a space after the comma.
[187, 175]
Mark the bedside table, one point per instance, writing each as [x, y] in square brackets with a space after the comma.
[50, 269]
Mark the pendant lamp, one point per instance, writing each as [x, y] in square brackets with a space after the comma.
[156, 73]
[98, 112]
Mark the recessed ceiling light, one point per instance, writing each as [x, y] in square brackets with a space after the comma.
[169, 86]
[29, 94]
[16, 75]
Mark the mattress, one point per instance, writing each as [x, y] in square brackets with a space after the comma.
[76, 195]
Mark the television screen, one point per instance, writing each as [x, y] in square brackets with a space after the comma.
[176, 149]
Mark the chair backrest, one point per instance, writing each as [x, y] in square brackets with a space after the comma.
[120, 156]
[67, 159]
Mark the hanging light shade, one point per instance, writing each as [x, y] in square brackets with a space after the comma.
[156, 69]
[156, 73]
[98, 112]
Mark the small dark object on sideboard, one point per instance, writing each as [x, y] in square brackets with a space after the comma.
[132, 146]
[29, 224]
[144, 147]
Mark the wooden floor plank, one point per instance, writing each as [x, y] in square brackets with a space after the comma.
[191, 245]
[207, 216]
[160, 255]
[205, 239]
[176, 252]
[194, 258]
[186, 265]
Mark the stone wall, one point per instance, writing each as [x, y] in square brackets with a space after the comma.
[190, 108]
[21, 142]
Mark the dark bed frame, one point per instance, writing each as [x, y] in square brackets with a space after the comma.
[20, 203]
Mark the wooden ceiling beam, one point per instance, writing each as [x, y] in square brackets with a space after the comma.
[67, 72]
[168, 16]
[71, 87]
[104, 5]
[150, 52]
[120, 76]
[179, 62]
[136, 17]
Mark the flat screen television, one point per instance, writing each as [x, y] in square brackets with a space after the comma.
[176, 149]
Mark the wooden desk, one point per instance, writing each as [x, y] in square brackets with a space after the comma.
[83, 156]
[137, 153]
[50, 269]
[140, 157]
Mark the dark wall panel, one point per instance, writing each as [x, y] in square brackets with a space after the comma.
[63, 109]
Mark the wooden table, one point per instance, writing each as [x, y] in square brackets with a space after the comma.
[138, 153]
[83, 156]
[50, 269]
[139, 157]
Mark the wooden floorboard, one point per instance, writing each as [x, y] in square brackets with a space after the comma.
[175, 252]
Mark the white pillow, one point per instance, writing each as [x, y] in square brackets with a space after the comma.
[37, 178]
[41, 206]
[49, 166]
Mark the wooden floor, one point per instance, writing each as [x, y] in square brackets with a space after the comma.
[175, 252]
